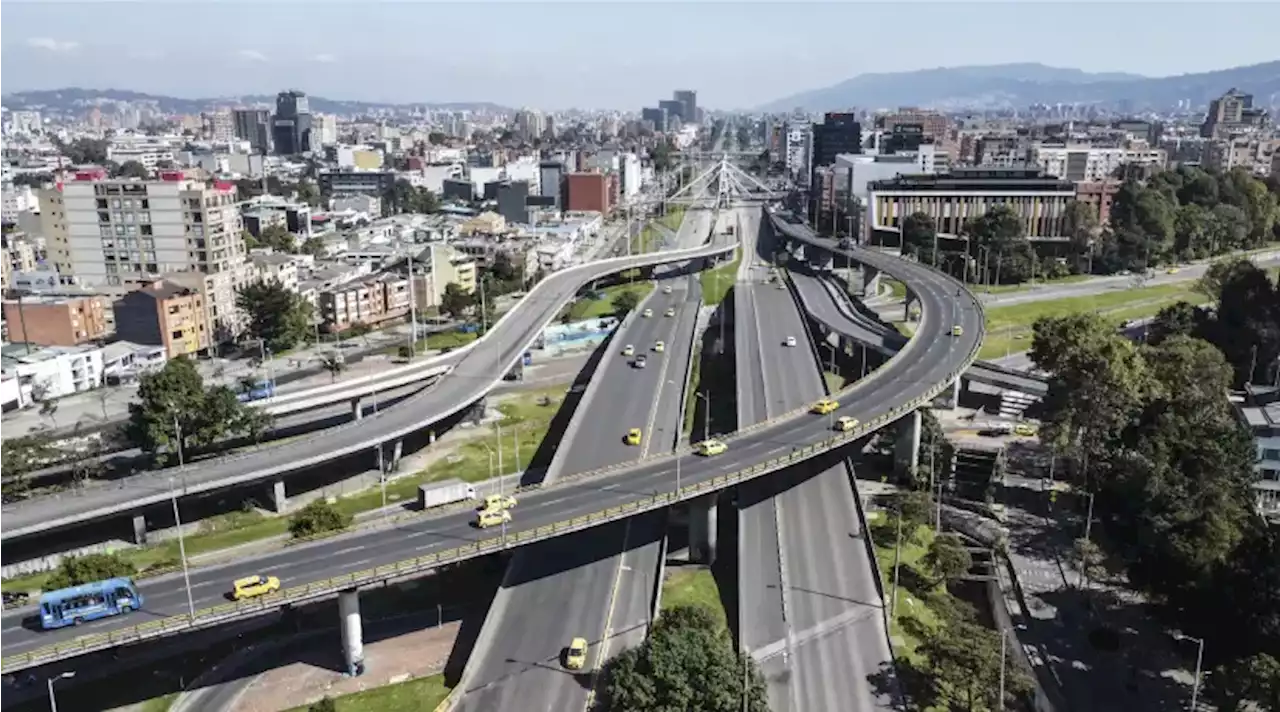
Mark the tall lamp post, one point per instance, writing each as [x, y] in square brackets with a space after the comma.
[53, 702]
[182, 549]
[1195, 685]
[706, 422]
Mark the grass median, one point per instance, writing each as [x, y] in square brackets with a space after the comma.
[526, 417]
[717, 282]
[693, 587]
[910, 613]
[595, 308]
[423, 693]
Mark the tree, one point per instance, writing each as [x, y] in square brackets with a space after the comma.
[317, 517]
[130, 169]
[1088, 555]
[174, 399]
[314, 246]
[308, 193]
[20, 456]
[965, 658]
[625, 302]
[456, 301]
[1255, 679]
[998, 241]
[947, 559]
[919, 237]
[687, 663]
[278, 238]
[325, 704]
[49, 409]
[84, 151]
[87, 568]
[250, 242]
[35, 180]
[915, 507]
[277, 315]
[1177, 319]
[1080, 225]
[660, 154]
[437, 139]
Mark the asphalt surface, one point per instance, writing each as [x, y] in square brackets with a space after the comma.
[555, 592]
[814, 623]
[478, 370]
[920, 368]
[822, 300]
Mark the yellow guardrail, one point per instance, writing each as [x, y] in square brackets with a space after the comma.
[317, 589]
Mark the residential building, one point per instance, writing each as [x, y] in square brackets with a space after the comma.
[587, 192]
[954, 198]
[220, 126]
[164, 313]
[368, 301]
[1099, 195]
[291, 127]
[150, 151]
[1084, 163]
[933, 126]
[376, 183]
[629, 172]
[18, 199]
[435, 268]
[122, 360]
[512, 200]
[798, 150]
[351, 158]
[19, 254]
[45, 373]
[1232, 113]
[254, 126]
[656, 116]
[57, 320]
[1259, 411]
[325, 131]
[1251, 153]
[281, 268]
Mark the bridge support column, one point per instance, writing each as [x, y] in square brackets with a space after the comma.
[822, 260]
[907, 449]
[352, 631]
[870, 281]
[278, 499]
[139, 529]
[907, 302]
[955, 393]
[357, 408]
[702, 529]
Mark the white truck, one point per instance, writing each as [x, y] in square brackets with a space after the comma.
[445, 492]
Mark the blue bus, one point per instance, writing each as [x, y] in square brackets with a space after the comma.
[87, 602]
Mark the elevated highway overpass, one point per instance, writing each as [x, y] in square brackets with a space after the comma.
[417, 543]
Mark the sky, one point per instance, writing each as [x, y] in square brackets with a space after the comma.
[600, 54]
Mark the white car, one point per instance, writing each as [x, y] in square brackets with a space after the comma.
[666, 289]
[791, 341]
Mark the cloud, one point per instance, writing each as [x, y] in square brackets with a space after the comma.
[324, 58]
[252, 55]
[52, 45]
[146, 54]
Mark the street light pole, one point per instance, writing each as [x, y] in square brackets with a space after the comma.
[1195, 686]
[182, 550]
[897, 559]
[1003, 644]
[706, 422]
[53, 702]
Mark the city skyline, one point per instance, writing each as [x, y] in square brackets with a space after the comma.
[518, 62]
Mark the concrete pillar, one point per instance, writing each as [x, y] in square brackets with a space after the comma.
[357, 408]
[906, 305]
[278, 500]
[139, 529]
[702, 529]
[955, 393]
[907, 454]
[352, 631]
[870, 281]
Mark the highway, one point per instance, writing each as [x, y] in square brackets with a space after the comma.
[478, 370]
[814, 620]
[920, 372]
[582, 586]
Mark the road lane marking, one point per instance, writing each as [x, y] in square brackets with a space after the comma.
[602, 650]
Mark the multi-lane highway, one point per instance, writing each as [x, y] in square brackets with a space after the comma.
[923, 369]
[476, 371]
[587, 586]
[810, 607]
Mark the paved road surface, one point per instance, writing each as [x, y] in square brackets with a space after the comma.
[555, 592]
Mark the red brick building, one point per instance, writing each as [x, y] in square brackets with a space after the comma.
[587, 192]
[56, 321]
[1099, 195]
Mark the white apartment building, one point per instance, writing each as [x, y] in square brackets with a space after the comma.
[147, 150]
[18, 199]
[25, 122]
[1091, 164]
[324, 130]
[279, 267]
[1263, 420]
[798, 149]
[1251, 153]
[53, 371]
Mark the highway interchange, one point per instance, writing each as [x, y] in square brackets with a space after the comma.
[917, 371]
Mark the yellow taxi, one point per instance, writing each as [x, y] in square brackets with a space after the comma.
[575, 656]
[647, 313]
[628, 350]
[824, 406]
[1026, 430]
[492, 518]
[496, 502]
[1172, 270]
[659, 346]
[671, 311]
[845, 423]
[710, 447]
[633, 436]
[253, 586]
[957, 330]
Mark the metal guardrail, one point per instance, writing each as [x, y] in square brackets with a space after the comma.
[319, 589]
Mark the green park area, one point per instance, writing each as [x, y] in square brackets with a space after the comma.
[526, 418]
[717, 282]
[605, 306]
[650, 237]
[912, 614]
[693, 586]
[1009, 327]
[423, 693]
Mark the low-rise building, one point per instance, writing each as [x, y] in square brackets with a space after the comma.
[48, 372]
[282, 268]
[1259, 410]
[165, 313]
[435, 268]
[56, 320]
[368, 301]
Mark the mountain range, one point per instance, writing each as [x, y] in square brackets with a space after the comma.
[77, 100]
[1021, 85]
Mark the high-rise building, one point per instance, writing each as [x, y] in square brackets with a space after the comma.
[1232, 112]
[675, 112]
[254, 126]
[512, 199]
[291, 128]
[838, 133]
[118, 233]
[798, 150]
[688, 105]
[529, 124]
[587, 192]
[656, 116]
[550, 176]
[220, 126]
[326, 130]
